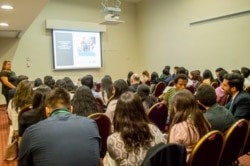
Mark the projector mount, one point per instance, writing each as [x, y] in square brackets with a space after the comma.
[111, 9]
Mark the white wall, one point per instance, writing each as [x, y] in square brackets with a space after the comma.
[166, 37]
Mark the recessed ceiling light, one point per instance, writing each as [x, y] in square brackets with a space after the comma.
[8, 7]
[4, 24]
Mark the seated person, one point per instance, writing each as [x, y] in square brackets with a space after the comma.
[147, 101]
[133, 133]
[134, 82]
[218, 116]
[63, 138]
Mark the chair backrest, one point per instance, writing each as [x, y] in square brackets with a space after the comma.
[27, 108]
[190, 88]
[171, 83]
[214, 84]
[207, 150]
[158, 114]
[246, 148]
[170, 154]
[104, 125]
[159, 87]
[235, 139]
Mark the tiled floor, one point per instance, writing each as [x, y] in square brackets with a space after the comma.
[4, 132]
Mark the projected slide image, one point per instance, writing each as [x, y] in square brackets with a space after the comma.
[76, 49]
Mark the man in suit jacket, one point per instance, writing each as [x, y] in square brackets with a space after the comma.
[240, 102]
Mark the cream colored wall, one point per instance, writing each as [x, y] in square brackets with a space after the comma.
[119, 42]
[166, 37]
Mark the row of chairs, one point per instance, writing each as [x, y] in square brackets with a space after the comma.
[213, 149]
[219, 149]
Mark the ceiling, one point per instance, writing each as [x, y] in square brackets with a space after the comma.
[21, 17]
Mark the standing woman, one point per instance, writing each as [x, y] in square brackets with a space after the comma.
[188, 124]
[8, 79]
[133, 133]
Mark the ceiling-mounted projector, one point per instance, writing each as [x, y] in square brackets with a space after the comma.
[112, 16]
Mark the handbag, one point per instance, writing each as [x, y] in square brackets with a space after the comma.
[11, 152]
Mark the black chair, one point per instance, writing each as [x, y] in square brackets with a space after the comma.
[162, 154]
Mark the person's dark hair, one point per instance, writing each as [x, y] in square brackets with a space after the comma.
[83, 102]
[120, 87]
[143, 91]
[195, 75]
[154, 79]
[181, 70]
[130, 73]
[38, 100]
[236, 71]
[23, 95]
[88, 80]
[245, 72]
[38, 82]
[221, 75]
[106, 86]
[180, 76]
[206, 95]
[70, 86]
[219, 69]
[131, 121]
[186, 107]
[207, 74]
[165, 71]
[235, 79]
[60, 83]
[58, 98]
[20, 78]
[49, 81]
